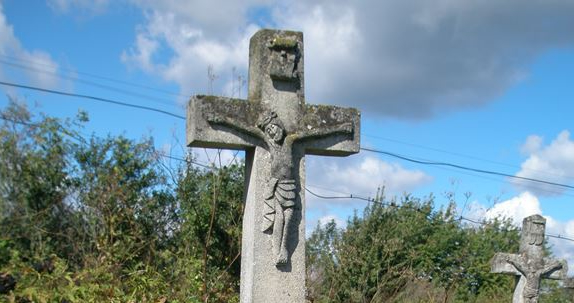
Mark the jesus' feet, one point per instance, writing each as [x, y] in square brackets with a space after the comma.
[282, 258]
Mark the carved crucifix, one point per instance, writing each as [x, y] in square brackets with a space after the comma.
[529, 265]
[276, 129]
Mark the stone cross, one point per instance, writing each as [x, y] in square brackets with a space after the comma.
[276, 129]
[529, 264]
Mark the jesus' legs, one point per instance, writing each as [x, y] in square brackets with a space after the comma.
[283, 251]
[277, 235]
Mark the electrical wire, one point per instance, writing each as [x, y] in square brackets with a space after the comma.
[395, 155]
[37, 63]
[391, 204]
[461, 155]
[57, 92]
[91, 83]
[346, 196]
[461, 167]
[70, 71]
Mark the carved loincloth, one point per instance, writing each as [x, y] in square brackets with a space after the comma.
[280, 191]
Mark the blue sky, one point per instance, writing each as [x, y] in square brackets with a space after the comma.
[483, 84]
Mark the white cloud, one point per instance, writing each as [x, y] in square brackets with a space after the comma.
[408, 58]
[417, 58]
[531, 145]
[218, 19]
[554, 163]
[517, 208]
[329, 218]
[198, 34]
[561, 248]
[359, 175]
[524, 205]
[11, 49]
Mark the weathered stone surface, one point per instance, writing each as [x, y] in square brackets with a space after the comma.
[310, 118]
[277, 129]
[530, 264]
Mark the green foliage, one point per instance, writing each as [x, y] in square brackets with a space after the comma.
[406, 252]
[213, 220]
[96, 220]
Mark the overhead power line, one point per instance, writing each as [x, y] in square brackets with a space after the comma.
[423, 162]
[437, 150]
[391, 204]
[70, 71]
[457, 154]
[57, 92]
[476, 170]
[346, 196]
[91, 83]
[32, 66]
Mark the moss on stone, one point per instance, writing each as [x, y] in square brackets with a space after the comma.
[283, 43]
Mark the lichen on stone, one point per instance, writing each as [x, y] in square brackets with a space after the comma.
[283, 43]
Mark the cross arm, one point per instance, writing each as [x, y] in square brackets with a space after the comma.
[330, 130]
[551, 266]
[504, 263]
[219, 122]
[555, 269]
[344, 128]
[238, 124]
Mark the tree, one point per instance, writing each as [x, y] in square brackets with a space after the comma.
[96, 220]
[408, 252]
[211, 213]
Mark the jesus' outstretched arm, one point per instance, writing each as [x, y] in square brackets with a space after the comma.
[237, 125]
[343, 128]
[552, 266]
[517, 265]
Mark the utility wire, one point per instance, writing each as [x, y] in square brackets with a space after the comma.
[177, 116]
[439, 150]
[488, 224]
[424, 162]
[477, 170]
[186, 161]
[460, 155]
[57, 92]
[391, 204]
[346, 196]
[52, 72]
[103, 86]
[83, 141]
[11, 58]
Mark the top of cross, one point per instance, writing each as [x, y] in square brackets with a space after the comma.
[531, 249]
[276, 72]
[276, 84]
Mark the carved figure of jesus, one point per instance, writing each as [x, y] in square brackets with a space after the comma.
[533, 272]
[281, 188]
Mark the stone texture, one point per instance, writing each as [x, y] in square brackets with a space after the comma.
[529, 264]
[277, 129]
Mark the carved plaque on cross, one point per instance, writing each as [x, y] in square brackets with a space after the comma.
[529, 264]
[277, 129]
